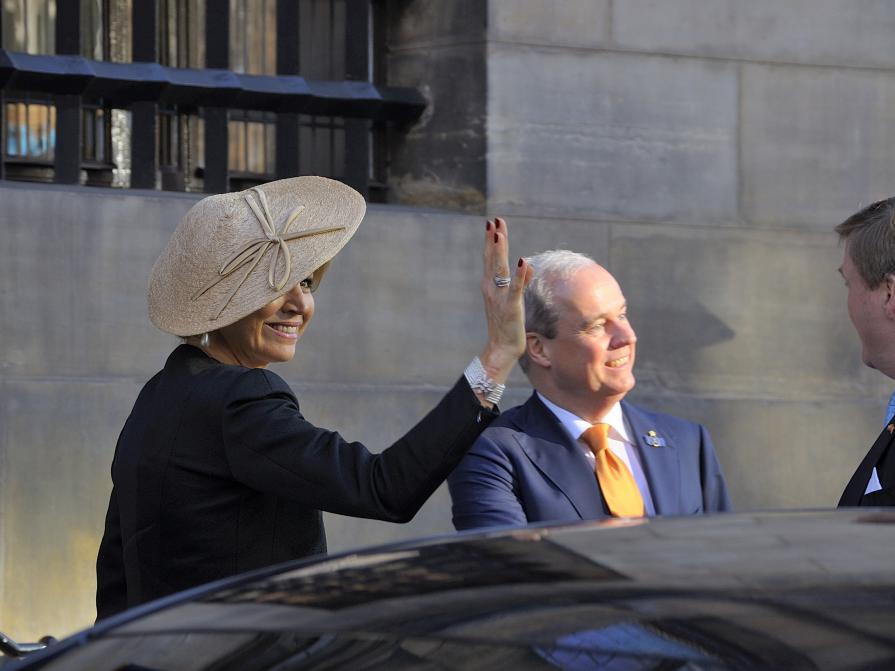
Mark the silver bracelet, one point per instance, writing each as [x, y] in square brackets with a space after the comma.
[478, 379]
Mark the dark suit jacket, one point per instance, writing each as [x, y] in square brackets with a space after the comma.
[216, 472]
[881, 455]
[526, 468]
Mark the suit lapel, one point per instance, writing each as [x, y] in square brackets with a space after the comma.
[854, 490]
[661, 461]
[555, 454]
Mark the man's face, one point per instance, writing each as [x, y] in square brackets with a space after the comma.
[592, 355]
[866, 309]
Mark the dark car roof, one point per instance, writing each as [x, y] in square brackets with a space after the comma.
[810, 590]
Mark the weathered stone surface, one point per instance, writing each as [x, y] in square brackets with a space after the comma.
[781, 454]
[402, 302]
[58, 438]
[433, 22]
[533, 235]
[729, 311]
[570, 23]
[611, 136]
[73, 277]
[440, 162]
[813, 143]
[439, 48]
[821, 32]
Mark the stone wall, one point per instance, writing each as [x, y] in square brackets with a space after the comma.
[766, 360]
[701, 150]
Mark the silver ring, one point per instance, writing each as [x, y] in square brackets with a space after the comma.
[502, 282]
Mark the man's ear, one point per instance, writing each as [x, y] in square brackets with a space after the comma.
[889, 298]
[534, 346]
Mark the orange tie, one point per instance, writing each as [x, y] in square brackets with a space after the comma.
[616, 482]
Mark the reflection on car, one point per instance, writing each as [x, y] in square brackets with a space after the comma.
[809, 590]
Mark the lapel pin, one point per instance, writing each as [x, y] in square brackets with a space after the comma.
[653, 439]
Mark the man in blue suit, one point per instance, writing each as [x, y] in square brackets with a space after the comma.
[576, 450]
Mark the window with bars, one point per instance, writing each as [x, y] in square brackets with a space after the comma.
[174, 135]
[251, 158]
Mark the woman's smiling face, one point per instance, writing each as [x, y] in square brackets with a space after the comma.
[270, 333]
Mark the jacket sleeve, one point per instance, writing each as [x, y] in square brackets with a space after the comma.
[482, 489]
[111, 587]
[715, 498]
[271, 447]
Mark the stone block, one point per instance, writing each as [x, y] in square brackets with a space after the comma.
[57, 445]
[559, 23]
[74, 270]
[822, 32]
[813, 149]
[533, 235]
[415, 23]
[440, 160]
[781, 454]
[610, 136]
[754, 314]
[402, 302]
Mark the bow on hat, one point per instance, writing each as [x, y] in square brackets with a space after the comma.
[254, 250]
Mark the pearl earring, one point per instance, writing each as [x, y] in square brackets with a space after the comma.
[204, 340]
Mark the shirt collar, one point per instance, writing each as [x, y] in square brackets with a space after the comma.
[576, 426]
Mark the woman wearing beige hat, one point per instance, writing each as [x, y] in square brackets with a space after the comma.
[216, 471]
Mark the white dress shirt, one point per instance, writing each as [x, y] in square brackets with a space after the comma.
[619, 442]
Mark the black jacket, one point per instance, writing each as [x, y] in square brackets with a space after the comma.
[881, 456]
[216, 472]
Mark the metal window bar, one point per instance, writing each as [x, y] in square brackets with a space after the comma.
[181, 40]
[380, 137]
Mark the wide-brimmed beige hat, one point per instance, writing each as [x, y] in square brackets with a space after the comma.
[234, 253]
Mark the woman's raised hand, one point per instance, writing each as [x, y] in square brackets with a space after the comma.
[502, 287]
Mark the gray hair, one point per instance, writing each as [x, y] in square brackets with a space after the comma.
[870, 235]
[550, 268]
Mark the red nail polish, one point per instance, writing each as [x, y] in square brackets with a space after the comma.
[495, 237]
[521, 261]
[497, 223]
[488, 225]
